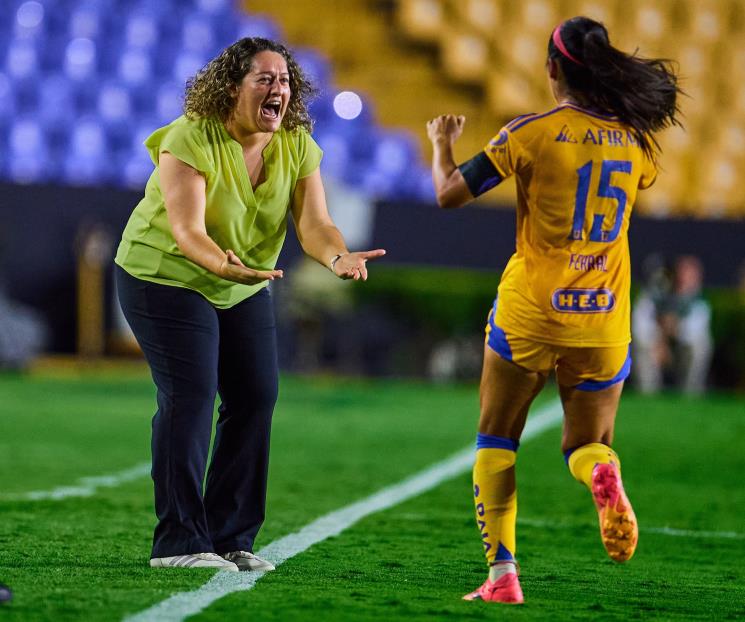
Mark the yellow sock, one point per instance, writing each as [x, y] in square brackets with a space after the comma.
[582, 461]
[495, 497]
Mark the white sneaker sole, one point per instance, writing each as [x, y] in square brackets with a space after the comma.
[188, 561]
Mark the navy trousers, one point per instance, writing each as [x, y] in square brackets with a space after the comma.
[196, 351]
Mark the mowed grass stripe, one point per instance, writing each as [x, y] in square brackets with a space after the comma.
[84, 487]
[414, 562]
[337, 441]
[180, 606]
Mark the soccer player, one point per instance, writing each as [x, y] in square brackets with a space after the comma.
[563, 301]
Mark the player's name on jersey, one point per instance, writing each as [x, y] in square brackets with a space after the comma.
[583, 300]
[598, 136]
[585, 263]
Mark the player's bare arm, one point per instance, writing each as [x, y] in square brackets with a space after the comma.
[455, 185]
[450, 186]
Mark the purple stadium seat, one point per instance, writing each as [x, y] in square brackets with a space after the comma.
[27, 152]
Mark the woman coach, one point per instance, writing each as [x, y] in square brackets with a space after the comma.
[193, 265]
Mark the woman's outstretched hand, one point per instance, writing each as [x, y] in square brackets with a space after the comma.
[232, 269]
[353, 265]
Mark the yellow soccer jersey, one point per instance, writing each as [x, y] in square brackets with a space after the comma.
[577, 175]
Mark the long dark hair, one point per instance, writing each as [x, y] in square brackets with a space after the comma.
[641, 92]
[211, 93]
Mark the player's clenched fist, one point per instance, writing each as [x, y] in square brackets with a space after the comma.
[446, 127]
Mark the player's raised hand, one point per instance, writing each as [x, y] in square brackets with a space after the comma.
[354, 265]
[446, 127]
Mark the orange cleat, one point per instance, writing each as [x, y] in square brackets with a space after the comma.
[618, 528]
[506, 589]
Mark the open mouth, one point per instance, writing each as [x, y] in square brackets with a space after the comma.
[271, 109]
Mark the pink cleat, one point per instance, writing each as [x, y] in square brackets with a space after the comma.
[618, 528]
[506, 589]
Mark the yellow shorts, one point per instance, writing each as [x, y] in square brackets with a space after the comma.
[586, 369]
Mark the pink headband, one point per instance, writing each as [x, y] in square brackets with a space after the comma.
[556, 37]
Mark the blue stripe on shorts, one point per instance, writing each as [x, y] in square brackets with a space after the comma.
[497, 338]
[599, 385]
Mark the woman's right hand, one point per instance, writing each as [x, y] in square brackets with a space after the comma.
[232, 269]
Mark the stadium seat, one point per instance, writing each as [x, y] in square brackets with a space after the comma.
[169, 102]
[525, 51]
[707, 20]
[85, 22]
[29, 19]
[510, 94]
[255, 26]
[651, 21]
[135, 67]
[336, 157]
[21, 59]
[186, 65]
[7, 99]
[141, 31]
[598, 10]
[80, 59]
[482, 16]
[86, 161]
[197, 35]
[134, 170]
[694, 61]
[424, 189]
[422, 20]
[322, 108]
[465, 55]
[66, 60]
[114, 110]
[27, 152]
[218, 8]
[539, 17]
[316, 67]
[394, 153]
[56, 102]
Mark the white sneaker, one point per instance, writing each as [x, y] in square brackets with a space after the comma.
[195, 560]
[248, 561]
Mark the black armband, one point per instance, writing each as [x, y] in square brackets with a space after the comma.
[480, 174]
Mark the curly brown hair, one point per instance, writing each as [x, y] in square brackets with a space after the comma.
[211, 92]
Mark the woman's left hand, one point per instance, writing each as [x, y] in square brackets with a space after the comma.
[353, 265]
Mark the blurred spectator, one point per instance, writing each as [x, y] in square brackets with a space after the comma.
[325, 327]
[729, 353]
[670, 322]
[737, 343]
[22, 334]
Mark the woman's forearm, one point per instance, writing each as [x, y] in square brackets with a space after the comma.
[200, 248]
[323, 242]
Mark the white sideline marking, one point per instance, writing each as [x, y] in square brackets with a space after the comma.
[185, 604]
[689, 533]
[84, 487]
[663, 531]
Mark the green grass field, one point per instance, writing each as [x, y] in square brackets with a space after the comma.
[336, 442]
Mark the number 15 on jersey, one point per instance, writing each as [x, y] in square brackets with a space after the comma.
[604, 190]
